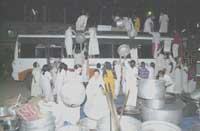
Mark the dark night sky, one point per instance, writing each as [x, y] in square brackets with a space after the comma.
[182, 12]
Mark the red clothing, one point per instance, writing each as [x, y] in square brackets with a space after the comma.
[178, 40]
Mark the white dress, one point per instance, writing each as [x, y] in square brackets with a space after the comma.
[59, 83]
[81, 23]
[156, 42]
[131, 85]
[96, 106]
[164, 19]
[175, 48]
[151, 72]
[93, 48]
[45, 85]
[68, 41]
[148, 25]
[35, 86]
[184, 71]
[178, 81]
[167, 46]
[118, 71]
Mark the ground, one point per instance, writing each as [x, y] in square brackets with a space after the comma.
[10, 88]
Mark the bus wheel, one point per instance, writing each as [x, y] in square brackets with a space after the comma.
[28, 81]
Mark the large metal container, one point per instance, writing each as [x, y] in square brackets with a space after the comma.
[128, 123]
[4, 112]
[154, 103]
[151, 89]
[172, 112]
[46, 123]
[159, 126]
[11, 123]
[123, 50]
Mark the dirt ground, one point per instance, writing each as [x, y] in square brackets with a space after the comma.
[10, 89]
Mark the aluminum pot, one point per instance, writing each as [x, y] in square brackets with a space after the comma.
[128, 123]
[123, 50]
[172, 113]
[159, 126]
[11, 123]
[170, 98]
[154, 103]
[151, 89]
[4, 112]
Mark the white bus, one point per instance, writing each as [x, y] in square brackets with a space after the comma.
[31, 48]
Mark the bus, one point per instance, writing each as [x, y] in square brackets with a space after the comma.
[31, 48]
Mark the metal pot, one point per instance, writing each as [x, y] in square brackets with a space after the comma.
[170, 98]
[159, 126]
[170, 112]
[80, 38]
[151, 89]
[128, 123]
[154, 103]
[123, 50]
[4, 112]
[11, 123]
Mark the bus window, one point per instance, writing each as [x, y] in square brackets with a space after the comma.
[27, 50]
[55, 51]
[40, 52]
[105, 50]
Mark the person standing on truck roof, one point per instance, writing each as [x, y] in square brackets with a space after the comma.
[163, 20]
[69, 41]
[149, 24]
[93, 48]
[35, 86]
[81, 22]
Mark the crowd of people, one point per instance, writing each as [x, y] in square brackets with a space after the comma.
[82, 86]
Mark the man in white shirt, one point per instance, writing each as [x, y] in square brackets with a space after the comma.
[149, 24]
[81, 22]
[163, 20]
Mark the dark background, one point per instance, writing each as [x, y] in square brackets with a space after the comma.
[182, 13]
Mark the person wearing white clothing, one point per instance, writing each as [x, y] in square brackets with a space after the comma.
[60, 80]
[178, 80]
[35, 86]
[156, 42]
[81, 22]
[45, 83]
[69, 41]
[163, 20]
[169, 83]
[118, 72]
[96, 106]
[131, 75]
[184, 71]
[151, 70]
[93, 48]
[175, 50]
[148, 25]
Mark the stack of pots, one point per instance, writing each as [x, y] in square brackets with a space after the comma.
[157, 104]
[46, 123]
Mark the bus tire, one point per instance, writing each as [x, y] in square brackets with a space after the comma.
[28, 81]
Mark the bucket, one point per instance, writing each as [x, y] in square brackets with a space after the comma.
[159, 126]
